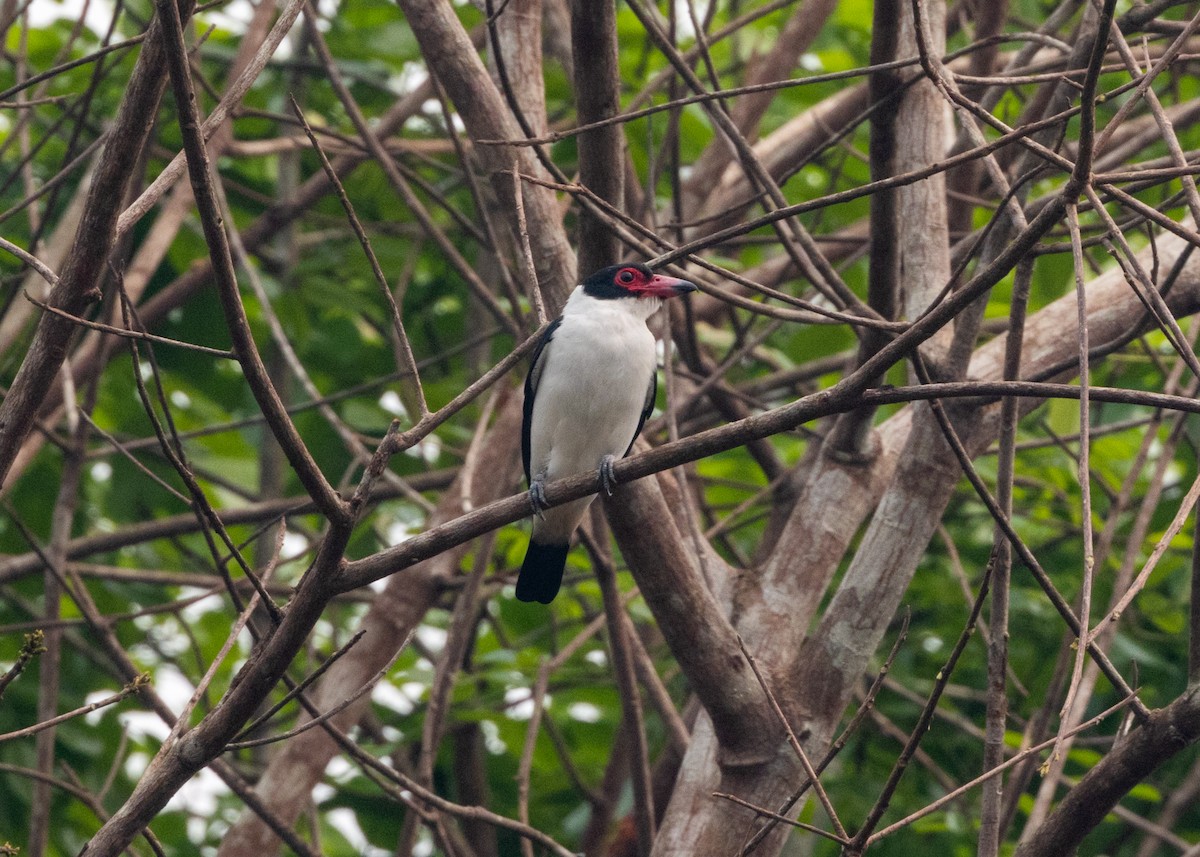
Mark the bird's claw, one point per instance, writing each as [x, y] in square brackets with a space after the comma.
[537, 499]
[607, 477]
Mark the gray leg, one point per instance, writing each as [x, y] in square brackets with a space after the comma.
[607, 478]
[537, 498]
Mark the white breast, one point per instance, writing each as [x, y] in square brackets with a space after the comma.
[590, 396]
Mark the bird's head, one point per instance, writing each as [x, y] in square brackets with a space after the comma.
[633, 280]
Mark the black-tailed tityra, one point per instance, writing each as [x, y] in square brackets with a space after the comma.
[588, 393]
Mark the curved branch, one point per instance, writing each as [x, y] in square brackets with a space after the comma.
[1167, 732]
[79, 283]
[310, 475]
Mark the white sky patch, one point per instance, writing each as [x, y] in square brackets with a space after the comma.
[403, 523]
[391, 697]
[143, 724]
[328, 9]
[322, 792]
[101, 471]
[491, 738]
[173, 686]
[175, 690]
[429, 449]
[584, 712]
[432, 638]
[339, 769]
[390, 402]
[324, 632]
[345, 822]
[811, 62]
[409, 78]
[194, 611]
[46, 12]
[172, 645]
[136, 764]
[597, 657]
[234, 16]
[94, 717]
[386, 760]
[294, 545]
[423, 847]
[199, 794]
[181, 399]
[520, 703]
[684, 31]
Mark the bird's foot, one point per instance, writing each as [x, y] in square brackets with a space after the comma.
[537, 498]
[607, 477]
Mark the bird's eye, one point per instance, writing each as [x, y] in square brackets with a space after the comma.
[625, 276]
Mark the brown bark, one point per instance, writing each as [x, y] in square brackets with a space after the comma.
[1168, 731]
[850, 437]
[801, 29]
[79, 280]
[781, 152]
[288, 781]
[93, 350]
[597, 96]
[451, 56]
[691, 620]
[737, 745]
[836, 500]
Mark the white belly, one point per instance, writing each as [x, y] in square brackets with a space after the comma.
[588, 404]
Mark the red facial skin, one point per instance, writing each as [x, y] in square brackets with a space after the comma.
[659, 286]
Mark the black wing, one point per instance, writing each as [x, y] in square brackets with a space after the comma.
[531, 385]
[647, 409]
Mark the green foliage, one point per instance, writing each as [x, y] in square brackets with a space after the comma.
[324, 295]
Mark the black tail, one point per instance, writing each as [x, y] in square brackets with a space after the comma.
[542, 572]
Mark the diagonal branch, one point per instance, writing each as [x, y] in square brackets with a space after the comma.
[327, 499]
[1166, 732]
[79, 284]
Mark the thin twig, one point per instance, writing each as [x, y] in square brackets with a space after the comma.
[409, 364]
[782, 819]
[966, 787]
[255, 372]
[33, 646]
[132, 334]
[133, 687]
[809, 771]
[864, 708]
[324, 716]
[859, 843]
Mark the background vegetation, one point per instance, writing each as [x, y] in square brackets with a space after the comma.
[876, 249]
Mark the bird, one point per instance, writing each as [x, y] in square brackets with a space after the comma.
[591, 385]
